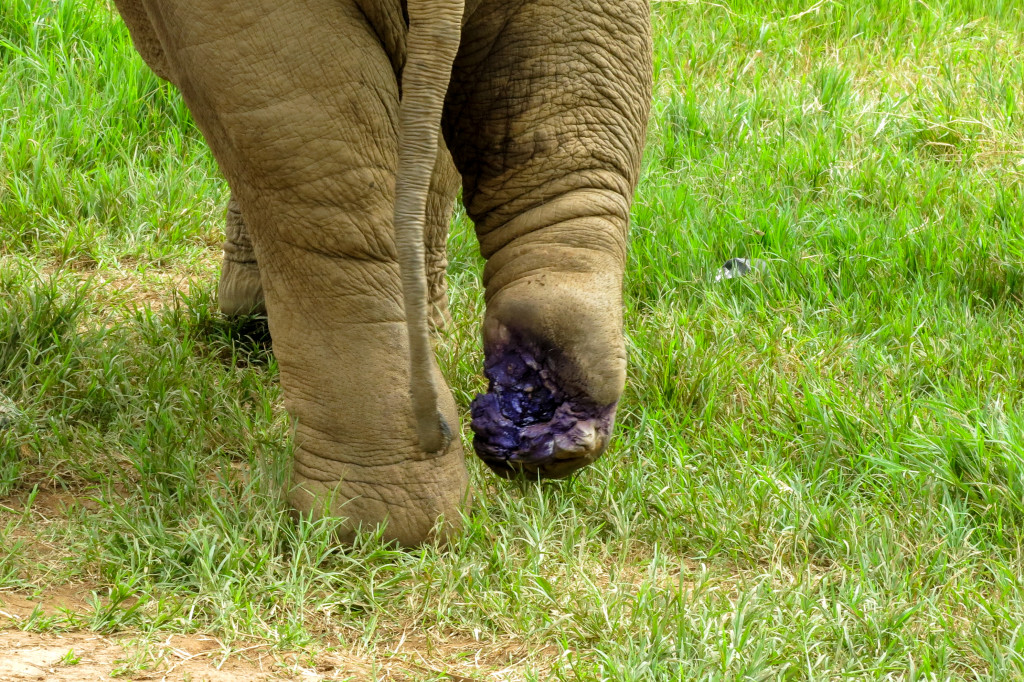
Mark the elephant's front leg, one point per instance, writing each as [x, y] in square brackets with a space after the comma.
[299, 104]
[546, 120]
[239, 291]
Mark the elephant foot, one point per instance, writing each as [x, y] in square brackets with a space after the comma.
[528, 424]
[429, 510]
[240, 291]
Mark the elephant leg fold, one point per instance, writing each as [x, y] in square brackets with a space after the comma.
[546, 121]
[239, 291]
[299, 104]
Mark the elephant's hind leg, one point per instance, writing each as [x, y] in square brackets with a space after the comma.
[299, 104]
[239, 291]
[546, 117]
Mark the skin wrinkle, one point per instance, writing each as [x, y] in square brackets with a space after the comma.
[411, 490]
[483, 206]
[470, 15]
[385, 250]
[527, 274]
[368, 492]
[389, 31]
[338, 235]
[366, 254]
[524, 197]
[514, 260]
[305, 467]
[522, 262]
[352, 252]
[373, 455]
[319, 139]
[362, 262]
[241, 28]
[240, 289]
[545, 215]
[288, 175]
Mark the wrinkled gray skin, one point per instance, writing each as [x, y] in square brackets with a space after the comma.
[543, 126]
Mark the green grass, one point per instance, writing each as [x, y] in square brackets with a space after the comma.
[819, 470]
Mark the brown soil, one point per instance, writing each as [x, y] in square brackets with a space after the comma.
[83, 656]
[54, 601]
[87, 656]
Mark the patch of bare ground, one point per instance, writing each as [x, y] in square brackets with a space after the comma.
[42, 507]
[69, 599]
[404, 655]
[154, 288]
[83, 656]
[142, 285]
[86, 656]
[401, 652]
[48, 503]
[461, 657]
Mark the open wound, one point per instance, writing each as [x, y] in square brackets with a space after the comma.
[526, 424]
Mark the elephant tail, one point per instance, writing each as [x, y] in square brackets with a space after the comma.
[435, 28]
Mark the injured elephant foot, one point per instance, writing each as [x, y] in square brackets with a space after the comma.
[527, 425]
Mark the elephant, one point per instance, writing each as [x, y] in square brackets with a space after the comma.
[345, 130]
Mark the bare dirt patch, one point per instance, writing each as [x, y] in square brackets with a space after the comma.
[140, 285]
[458, 657]
[54, 601]
[48, 503]
[83, 657]
[86, 656]
[154, 289]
